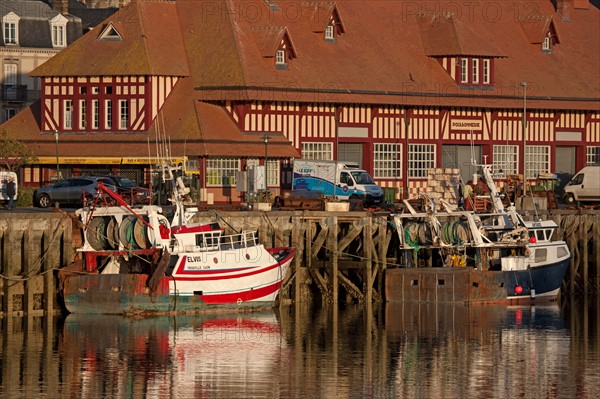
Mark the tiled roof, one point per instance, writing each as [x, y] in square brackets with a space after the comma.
[152, 45]
[268, 39]
[445, 34]
[535, 27]
[34, 27]
[194, 127]
[384, 56]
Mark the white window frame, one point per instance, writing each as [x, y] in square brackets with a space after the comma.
[387, 160]
[506, 159]
[280, 58]
[330, 32]
[421, 158]
[58, 36]
[82, 114]
[486, 71]
[273, 173]
[9, 113]
[10, 29]
[108, 114]
[592, 155]
[464, 72]
[95, 114]
[320, 150]
[537, 160]
[220, 172]
[11, 72]
[68, 114]
[475, 69]
[546, 44]
[123, 114]
[58, 29]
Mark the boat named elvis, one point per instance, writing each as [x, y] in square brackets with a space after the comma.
[467, 256]
[135, 260]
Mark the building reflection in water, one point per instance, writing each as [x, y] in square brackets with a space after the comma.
[394, 350]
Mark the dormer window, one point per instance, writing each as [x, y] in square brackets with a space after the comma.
[284, 53]
[474, 71]
[10, 29]
[110, 33]
[486, 71]
[329, 33]
[58, 28]
[280, 58]
[334, 26]
[464, 70]
[540, 31]
[275, 44]
[548, 42]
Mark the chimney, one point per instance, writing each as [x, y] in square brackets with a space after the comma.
[563, 9]
[62, 6]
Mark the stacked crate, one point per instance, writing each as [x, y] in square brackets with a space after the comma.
[443, 184]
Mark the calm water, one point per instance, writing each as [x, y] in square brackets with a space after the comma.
[393, 351]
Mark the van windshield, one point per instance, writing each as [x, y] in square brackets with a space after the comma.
[577, 180]
[362, 177]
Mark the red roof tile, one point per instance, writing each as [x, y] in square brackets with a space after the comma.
[536, 27]
[385, 56]
[444, 34]
[152, 45]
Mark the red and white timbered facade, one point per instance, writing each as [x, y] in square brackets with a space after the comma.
[413, 137]
[103, 103]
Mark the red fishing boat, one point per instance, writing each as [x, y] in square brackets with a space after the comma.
[136, 260]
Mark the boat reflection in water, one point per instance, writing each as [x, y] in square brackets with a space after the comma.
[393, 351]
[486, 351]
[183, 356]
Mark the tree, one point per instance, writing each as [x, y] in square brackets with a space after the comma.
[13, 153]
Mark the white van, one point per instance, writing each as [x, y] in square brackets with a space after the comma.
[584, 186]
[3, 180]
[342, 180]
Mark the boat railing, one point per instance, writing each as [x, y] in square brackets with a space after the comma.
[214, 241]
[244, 239]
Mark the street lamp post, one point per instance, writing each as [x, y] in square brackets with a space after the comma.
[524, 85]
[406, 131]
[266, 141]
[57, 165]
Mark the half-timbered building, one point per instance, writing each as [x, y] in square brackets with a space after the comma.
[398, 86]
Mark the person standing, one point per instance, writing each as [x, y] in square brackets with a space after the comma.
[11, 190]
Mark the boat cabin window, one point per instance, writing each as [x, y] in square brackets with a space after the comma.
[208, 240]
[537, 234]
[561, 251]
[541, 254]
[540, 235]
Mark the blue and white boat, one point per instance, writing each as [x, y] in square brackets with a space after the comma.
[455, 255]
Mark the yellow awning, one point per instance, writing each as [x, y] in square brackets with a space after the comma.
[106, 161]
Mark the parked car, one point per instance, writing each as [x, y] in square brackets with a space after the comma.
[130, 192]
[71, 191]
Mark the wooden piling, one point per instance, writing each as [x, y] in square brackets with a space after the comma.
[32, 248]
[341, 255]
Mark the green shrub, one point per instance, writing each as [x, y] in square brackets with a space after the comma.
[25, 197]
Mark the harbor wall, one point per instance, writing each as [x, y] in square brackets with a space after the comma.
[341, 256]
